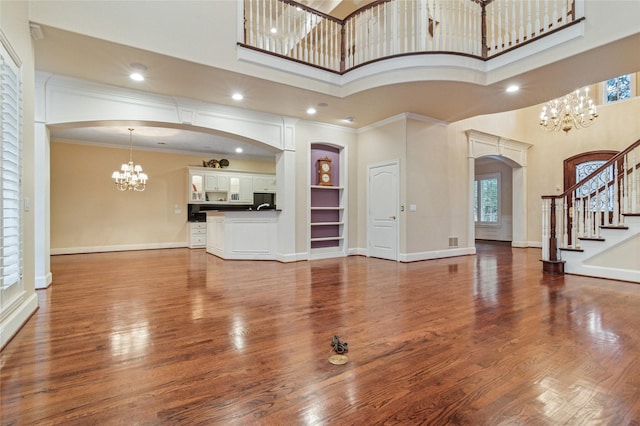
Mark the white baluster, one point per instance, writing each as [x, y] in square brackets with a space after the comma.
[537, 24]
[634, 180]
[574, 220]
[546, 15]
[499, 29]
[626, 186]
[607, 219]
[521, 23]
[616, 196]
[598, 213]
[565, 222]
[506, 40]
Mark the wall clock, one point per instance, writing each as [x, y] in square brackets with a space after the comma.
[324, 171]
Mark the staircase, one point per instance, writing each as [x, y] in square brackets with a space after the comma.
[593, 228]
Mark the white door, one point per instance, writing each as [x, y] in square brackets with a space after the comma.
[382, 224]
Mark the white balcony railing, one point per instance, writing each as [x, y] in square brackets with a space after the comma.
[388, 28]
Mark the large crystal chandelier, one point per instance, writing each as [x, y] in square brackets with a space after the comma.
[573, 110]
[130, 177]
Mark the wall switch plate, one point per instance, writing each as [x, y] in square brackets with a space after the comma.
[412, 207]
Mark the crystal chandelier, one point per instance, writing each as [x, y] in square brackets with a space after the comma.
[573, 110]
[130, 177]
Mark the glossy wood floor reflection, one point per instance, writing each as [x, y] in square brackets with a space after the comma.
[177, 336]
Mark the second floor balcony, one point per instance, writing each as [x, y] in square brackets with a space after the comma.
[477, 29]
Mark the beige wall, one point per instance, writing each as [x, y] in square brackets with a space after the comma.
[88, 211]
[384, 142]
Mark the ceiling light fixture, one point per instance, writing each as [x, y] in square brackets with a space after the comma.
[575, 109]
[130, 177]
[237, 97]
[239, 150]
[513, 88]
[311, 111]
[137, 72]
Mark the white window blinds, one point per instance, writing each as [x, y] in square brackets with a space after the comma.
[10, 171]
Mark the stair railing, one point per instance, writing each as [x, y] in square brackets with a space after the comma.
[598, 201]
[389, 28]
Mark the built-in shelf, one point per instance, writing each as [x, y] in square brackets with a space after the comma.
[327, 239]
[325, 187]
[327, 203]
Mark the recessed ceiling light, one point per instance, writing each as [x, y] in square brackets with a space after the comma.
[323, 105]
[137, 72]
[239, 150]
[274, 30]
[348, 120]
[513, 88]
[237, 97]
[311, 111]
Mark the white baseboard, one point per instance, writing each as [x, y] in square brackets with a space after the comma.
[358, 252]
[124, 247]
[12, 324]
[44, 281]
[291, 257]
[535, 244]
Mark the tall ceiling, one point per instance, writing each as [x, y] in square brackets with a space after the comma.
[65, 53]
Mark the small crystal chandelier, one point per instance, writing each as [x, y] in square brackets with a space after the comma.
[130, 177]
[572, 110]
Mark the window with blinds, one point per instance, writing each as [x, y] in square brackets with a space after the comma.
[10, 231]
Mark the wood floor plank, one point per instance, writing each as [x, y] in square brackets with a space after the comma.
[181, 337]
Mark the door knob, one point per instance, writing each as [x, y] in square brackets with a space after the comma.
[392, 217]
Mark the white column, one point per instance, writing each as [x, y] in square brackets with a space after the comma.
[285, 196]
[471, 169]
[40, 207]
[41, 179]
[519, 199]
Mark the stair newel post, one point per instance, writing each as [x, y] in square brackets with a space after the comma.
[545, 229]
[550, 262]
[553, 242]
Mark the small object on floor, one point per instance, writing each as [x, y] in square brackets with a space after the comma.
[338, 359]
[338, 346]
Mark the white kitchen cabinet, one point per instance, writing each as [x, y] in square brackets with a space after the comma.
[241, 189]
[264, 183]
[215, 182]
[196, 188]
[197, 234]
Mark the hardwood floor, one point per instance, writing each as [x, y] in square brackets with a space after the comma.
[181, 337]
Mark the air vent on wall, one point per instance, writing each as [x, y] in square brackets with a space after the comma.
[453, 242]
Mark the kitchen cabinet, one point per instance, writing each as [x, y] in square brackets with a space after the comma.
[216, 182]
[242, 234]
[196, 188]
[264, 183]
[197, 234]
[241, 189]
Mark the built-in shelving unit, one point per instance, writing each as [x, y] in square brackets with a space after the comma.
[327, 233]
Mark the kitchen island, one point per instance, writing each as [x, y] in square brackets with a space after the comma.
[242, 234]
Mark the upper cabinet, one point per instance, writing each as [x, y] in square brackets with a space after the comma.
[216, 182]
[210, 186]
[264, 183]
